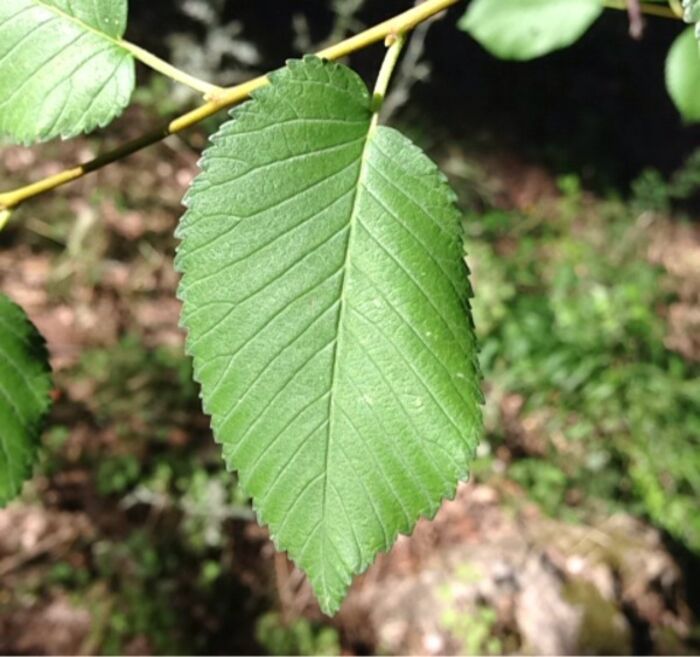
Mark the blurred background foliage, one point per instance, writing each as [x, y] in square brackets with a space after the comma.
[570, 323]
[580, 187]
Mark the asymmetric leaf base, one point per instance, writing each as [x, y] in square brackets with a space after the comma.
[326, 302]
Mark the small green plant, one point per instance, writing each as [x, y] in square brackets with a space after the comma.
[298, 637]
[546, 483]
[572, 328]
[140, 600]
[473, 627]
[474, 630]
[653, 193]
[325, 293]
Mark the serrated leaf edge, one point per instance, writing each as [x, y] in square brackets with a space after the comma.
[328, 606]
[117, 108]
[36, 342]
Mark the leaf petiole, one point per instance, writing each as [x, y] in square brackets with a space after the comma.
[395, 43]
[207, 89]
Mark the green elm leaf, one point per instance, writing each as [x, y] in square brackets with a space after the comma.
[526, 29]
[683, 75]
[25, 383]
[64, 70]
[326, 302]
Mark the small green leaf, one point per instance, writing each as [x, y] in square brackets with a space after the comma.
[25, 382]
[64, 71]
[326, 302]
[683, 75]
[526, 29]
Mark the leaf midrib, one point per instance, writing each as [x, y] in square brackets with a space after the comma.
[341, 311]
[119, 43]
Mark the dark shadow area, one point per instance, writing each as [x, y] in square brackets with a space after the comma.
[598, 109]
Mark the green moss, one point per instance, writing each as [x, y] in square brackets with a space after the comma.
[604, 630]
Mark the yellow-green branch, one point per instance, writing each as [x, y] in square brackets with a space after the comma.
[219, 99]
[223, 99]
[647, 8]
